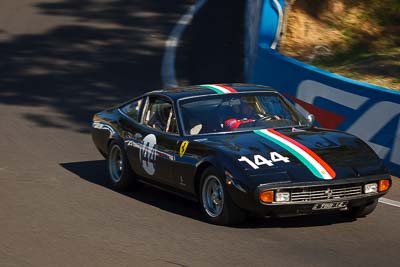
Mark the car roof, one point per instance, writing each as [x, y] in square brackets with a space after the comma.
[199, 90]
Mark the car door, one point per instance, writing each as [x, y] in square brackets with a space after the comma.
[160, 142]
[151, 146]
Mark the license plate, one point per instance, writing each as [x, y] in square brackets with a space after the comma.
[330, 205]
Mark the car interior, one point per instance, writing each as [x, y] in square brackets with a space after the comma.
[160, 115]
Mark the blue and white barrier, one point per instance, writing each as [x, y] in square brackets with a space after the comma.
[369, 112]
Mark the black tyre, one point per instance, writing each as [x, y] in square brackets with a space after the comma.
[362, 211]
[121, 175]
[216, 203]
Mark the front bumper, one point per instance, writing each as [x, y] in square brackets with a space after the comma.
[288, 210]
[307, 206]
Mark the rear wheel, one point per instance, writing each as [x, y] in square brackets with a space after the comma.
[215, 201]
[362, 211]
[121, 174]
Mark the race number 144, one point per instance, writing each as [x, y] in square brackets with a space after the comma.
[259, 160]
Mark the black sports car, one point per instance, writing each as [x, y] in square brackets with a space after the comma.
[237, 149]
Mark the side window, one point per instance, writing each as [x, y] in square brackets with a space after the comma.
[132, 109]
[159, 115]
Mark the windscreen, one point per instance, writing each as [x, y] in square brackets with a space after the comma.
[237, 112]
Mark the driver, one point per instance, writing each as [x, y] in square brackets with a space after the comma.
[244, 111]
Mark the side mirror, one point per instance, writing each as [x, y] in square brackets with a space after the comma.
[311, 119]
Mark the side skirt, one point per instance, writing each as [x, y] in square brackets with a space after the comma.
[169, 189]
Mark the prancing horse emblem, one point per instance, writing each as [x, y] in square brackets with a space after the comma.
[183, 147]
[329, 193]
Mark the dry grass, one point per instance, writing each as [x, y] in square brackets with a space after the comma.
[356, 39]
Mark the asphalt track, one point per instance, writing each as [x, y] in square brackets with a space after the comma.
[61, 61]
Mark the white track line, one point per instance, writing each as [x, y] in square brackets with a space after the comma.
[168, 74]
[389, 202]
[280, 23]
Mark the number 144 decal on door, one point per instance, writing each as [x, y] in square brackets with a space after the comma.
[259, 160]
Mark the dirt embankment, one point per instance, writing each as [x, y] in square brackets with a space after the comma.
[358, 39]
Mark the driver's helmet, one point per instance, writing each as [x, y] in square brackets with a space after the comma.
[232, 123]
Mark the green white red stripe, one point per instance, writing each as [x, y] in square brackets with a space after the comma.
[311, 160]
[219, 88]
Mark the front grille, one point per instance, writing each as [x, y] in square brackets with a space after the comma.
[325, 193]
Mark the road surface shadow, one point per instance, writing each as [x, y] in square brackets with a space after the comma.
[96, 172]
[111, 52]
[296, 222]
[212, 47]
[101, 53]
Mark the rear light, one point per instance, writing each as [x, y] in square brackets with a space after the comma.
[267, 196]
[384, 185]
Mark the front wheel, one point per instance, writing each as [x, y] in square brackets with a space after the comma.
[215, 201]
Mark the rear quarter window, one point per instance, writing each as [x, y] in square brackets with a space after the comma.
[132, 109]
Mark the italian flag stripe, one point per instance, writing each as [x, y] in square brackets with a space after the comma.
[230, 89]
[219, 88]
[311, 160]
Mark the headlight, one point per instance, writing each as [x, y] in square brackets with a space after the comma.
[371, 188]
[282, 197]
